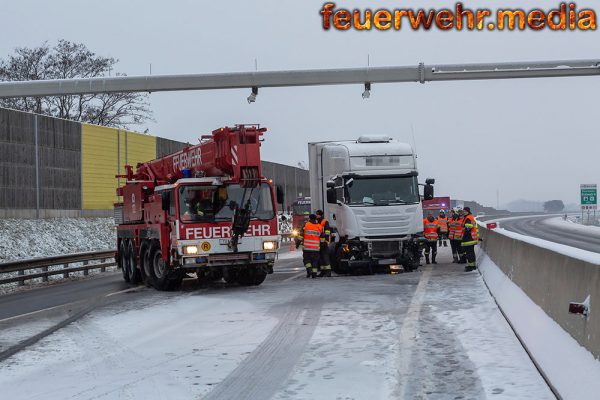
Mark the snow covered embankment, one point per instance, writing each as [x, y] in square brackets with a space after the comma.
[28, 238]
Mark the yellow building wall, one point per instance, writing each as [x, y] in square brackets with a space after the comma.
[104, 153]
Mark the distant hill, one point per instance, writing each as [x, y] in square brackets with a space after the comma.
[525, 206]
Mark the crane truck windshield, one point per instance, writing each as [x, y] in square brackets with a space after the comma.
[381, 191]
[217, 203]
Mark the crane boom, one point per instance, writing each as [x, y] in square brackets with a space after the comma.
[230, 151]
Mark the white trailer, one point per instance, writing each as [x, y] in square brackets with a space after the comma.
[369, 192]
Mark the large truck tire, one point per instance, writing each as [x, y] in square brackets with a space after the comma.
[159, 269]
[251, 276]
[123, 260]
[175, 280]
[145, 266]
[162, 278]
[230, 275]
[134, 273]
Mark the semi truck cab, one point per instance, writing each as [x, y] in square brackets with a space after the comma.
[369, 191]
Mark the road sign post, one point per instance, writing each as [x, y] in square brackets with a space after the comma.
[589, 199]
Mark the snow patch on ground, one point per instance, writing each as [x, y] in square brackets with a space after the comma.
[178, 348]
[353, 344]
[570, 225]
[569, 251]
[570, 367]
[30, 238]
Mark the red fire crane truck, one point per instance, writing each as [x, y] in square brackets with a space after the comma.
[205, 209]
[300, 213]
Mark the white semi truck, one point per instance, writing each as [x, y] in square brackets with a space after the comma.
[369, 192]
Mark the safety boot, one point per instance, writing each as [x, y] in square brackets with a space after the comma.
[426, 258]
[308, 267]
[470, 268]
[445, 243]
[313, 273]
[455, 259]
[328, 273]
[433, 259]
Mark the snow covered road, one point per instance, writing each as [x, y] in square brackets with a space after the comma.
[433, 334]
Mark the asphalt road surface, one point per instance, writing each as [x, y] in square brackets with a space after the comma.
[60, 294]
[431, 334]
[538, 226]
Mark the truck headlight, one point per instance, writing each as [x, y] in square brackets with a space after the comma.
[190, 249]
[269, 245]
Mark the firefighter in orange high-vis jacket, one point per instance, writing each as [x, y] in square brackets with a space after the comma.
[324, 264]
[311, 240]
[469, 239]
[431, 230]
[454, 225]
[443, 223]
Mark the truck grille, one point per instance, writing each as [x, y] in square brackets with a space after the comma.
[385, 248]
[229, 257]
[384, 225]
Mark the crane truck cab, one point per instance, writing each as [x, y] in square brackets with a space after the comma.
[369, 192]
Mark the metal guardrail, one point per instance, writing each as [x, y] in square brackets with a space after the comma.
[106, 258]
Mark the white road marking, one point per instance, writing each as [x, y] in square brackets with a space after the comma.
[31, 313]
[293, 277]
[408, 334]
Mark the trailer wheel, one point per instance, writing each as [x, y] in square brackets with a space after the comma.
[134, 272]
[124, 260]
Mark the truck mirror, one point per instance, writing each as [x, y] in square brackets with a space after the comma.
[330, 184]
[280, 195]
[331, 196]
[430, 181]
[428, 191]
[166, 200]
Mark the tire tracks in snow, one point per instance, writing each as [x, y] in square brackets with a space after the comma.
[77, 310]
[263, 372]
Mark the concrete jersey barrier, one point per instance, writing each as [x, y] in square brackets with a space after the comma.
[552, 280]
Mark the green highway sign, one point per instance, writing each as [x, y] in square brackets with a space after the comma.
[589, 197]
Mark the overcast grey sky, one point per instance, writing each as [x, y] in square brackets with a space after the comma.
[533, 139]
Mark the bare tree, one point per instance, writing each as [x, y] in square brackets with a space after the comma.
[73, 60]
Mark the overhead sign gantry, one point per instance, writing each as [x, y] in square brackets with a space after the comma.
[266, 79]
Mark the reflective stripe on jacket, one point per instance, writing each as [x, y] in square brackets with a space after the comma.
[470, 228]
[430, 229]
[312, 236]
[443, 223]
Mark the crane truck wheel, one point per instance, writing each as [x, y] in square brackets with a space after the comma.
[145, 263]
[134, 272]
[159, 271]
[230, 275]
[251, 276]
[162, 278]
[124, 260]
